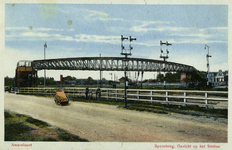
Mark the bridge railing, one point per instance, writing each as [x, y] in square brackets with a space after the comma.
[207, 99]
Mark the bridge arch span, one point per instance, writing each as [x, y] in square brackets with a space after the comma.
[110, 64]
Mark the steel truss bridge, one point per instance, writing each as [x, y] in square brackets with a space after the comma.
[110, 64]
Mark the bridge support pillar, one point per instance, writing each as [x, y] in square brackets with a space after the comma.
[25, 77]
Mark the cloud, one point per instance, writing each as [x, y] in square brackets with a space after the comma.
[97, 38]
[32, 36]
[16, 28]
[36, 35]
[39, 34]
[24, 33]
[182, 34]
[214, 28]
[187, 35]
[48, 29]
[70, 29]
[30, 28]
[109, 39]
[89, 15]
[202, 36]
[146, 26]
[194, 35]
[96, 15]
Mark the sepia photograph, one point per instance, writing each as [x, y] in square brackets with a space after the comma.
[115, 75]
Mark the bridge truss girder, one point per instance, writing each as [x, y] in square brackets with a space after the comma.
[110, 64]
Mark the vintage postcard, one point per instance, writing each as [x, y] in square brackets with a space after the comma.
[115, 75]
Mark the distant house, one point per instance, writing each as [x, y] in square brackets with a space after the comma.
[67, 81]
[183, 76]
[219, 78]
[122, 79]
[153, 80]
[135, 81]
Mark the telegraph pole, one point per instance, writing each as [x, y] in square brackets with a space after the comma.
[164, 56]
[100, 71]
[125, 53]
[207, 57]
[100, 76]
[45, 46]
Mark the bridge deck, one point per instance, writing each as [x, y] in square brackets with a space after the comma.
[110, 64]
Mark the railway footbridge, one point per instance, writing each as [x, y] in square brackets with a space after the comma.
[27, 70]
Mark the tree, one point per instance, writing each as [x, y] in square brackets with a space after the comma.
[49, 81]
[160, 77]
[195, 77]
[169, 77]
[9, 81]
[104, 81]
[90, 80]
[172, 77]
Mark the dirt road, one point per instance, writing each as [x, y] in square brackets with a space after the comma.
[96, 122]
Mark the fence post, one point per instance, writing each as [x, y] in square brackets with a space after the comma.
[138, 92]
[107, 96]
[151, 96]
[206, 100]
[167, 97]
[79, 92]
[185, 99]
[116, 95]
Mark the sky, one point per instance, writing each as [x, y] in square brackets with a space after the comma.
[88, 30]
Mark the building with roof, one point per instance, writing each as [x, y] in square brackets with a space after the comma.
[219, 78]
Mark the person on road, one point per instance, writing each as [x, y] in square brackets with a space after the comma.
[98, 93]
[87, 92]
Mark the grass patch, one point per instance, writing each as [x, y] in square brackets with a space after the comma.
[14, 130]
[23, 128]
[147, 110]
[36, 122]
[66, 136]
[187, 110]
[160, 108]
[93, 100]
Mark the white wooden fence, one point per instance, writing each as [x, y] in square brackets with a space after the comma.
[207, 99]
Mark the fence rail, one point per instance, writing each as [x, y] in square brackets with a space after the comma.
[207, 99]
